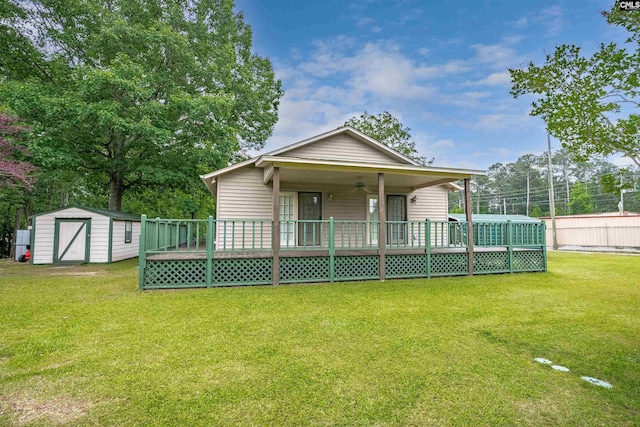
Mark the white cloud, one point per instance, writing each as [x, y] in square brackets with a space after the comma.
[521, 22]
[502, 78]
[496, 121]
[552, 20]
[424, 51]
[496, 55]
[364, 21]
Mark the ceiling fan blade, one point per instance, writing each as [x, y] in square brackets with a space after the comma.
[368, 190]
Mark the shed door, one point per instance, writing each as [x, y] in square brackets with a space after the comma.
[71, 243]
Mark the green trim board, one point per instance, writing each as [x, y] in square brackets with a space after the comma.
[99, 211]
[86, 227]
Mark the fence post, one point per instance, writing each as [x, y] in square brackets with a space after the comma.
[427, 237]
[510, 244]
[209, 251]
[142, 252]
[332, 249]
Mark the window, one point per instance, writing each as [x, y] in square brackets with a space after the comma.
[128, 231]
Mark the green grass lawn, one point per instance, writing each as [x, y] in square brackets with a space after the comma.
[82, 346]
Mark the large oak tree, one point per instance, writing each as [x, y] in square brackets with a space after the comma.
[135, 93]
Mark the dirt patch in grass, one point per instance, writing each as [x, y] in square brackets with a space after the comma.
[24, 409]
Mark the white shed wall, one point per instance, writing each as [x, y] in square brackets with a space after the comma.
[45, 229]
[121, 250]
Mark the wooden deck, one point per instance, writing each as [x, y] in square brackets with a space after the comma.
[184, 255]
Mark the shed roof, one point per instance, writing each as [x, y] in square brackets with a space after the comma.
[494, 218]
[99, 211]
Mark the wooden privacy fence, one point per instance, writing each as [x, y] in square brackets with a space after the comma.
[178, 253]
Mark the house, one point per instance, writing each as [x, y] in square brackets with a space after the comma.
[312, 211]
[78, 234]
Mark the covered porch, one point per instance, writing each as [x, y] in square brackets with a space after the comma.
[336, 221]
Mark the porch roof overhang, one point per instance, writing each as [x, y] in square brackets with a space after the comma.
[294, 169]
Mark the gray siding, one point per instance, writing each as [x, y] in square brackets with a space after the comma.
[121, 250]
[45, 228]
[342, 147]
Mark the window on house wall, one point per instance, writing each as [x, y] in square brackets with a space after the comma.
[128, 231]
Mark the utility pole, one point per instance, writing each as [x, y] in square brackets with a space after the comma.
[478, 196]
[527, 193]
[504, 202]
[552, 202]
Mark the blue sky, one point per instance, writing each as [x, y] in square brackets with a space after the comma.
[439, 66]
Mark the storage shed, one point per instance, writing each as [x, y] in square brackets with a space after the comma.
[77, 234]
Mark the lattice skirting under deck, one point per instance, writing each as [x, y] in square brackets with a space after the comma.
[452, 264]
[304, 269]
[185, 273]
[357, 267]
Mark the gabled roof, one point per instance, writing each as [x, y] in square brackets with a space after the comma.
[351, 132]
[99, 211]
[345, 129]
[406, 166]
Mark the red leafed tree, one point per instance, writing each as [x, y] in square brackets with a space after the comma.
[14, 167]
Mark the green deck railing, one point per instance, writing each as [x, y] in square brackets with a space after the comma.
[238, 235]
[328, 250]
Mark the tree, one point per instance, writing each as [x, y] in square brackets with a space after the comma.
[15, 168]
[132, 94]
[388, 130]
[590, 103]
[581, 201]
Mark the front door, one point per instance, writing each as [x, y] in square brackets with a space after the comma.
[397, 217]
[71, 241]
[310, 209]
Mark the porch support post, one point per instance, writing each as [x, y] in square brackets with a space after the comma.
[275, 245]
[467, 211]
[382, 232]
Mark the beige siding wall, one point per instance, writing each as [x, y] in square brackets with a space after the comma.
[44, 235]
[341, 147]
[242, 195]
[597, 231]
[120, 249]
[431, 202]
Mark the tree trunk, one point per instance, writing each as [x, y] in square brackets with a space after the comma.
[116, 188]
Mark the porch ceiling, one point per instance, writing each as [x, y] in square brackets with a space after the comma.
[346, 173]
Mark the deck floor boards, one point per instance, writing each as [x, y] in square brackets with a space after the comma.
[182, 255]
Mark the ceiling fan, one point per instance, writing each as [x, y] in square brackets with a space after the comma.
[361, 186]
